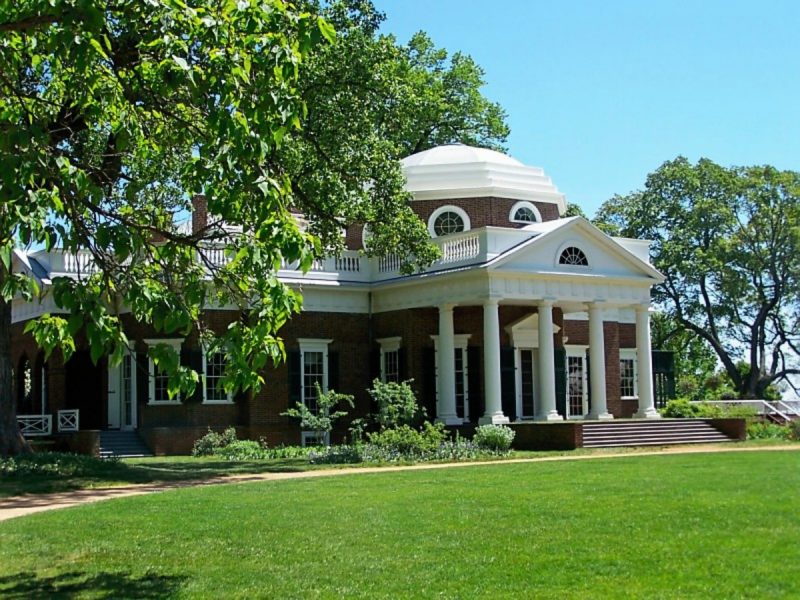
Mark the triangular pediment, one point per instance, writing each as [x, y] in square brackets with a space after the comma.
[605, 255]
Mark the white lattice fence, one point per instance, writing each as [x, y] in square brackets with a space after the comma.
[69, 420]
[35, 425]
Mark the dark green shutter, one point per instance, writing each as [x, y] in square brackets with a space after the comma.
[428, 383]
[402, 364]
[663, 376]
[374, 365]
[474, 380]
[142, 377]
[508, 382]
[333, 371]
[193, 358]
[295, 384]
[560, 367]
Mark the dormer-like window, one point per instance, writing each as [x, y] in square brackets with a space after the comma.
[573, 256]
[524, 212]
[447, 220]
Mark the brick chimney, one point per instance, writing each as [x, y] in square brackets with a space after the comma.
[199, 212]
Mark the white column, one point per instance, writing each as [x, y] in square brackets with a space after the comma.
[597, 364]
[491, 365]
[644, 362]
[547, 374]
[446, 405]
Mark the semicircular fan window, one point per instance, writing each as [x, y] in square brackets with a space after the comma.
[573, 256]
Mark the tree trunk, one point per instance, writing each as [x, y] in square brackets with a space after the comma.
[11, 440]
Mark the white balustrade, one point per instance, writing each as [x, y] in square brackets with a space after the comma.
[35, 425]
[69, 420]
[82, 262]
[389, 263]
[460, 248]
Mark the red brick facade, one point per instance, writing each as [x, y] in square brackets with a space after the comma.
[173, 428]
[483, 212]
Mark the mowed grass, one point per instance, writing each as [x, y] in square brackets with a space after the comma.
[717, 525]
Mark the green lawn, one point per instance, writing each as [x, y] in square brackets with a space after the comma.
[721, 525]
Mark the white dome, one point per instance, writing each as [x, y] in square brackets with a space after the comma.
[458, 154]
[459, 171]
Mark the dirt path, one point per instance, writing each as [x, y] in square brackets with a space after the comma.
[18, 506]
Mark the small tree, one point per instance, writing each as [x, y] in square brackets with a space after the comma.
[320, 420]
[397, 404]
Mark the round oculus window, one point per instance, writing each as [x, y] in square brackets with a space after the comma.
[448, 222]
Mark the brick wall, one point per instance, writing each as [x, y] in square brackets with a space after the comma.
[482, 212]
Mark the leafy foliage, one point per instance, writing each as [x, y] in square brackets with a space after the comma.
[213, 441]
[728, 243]
[114, 115]
[321, 419]
[396, 403]
[761, 430]
[494, 438]
[407, 441]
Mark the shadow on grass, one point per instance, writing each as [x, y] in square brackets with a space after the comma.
[84, 472]
[96, 585]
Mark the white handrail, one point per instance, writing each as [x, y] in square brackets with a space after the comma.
[35, 425]
[69, 420]
[762, 407]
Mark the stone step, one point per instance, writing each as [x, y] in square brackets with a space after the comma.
[652, 433]
[122, 444]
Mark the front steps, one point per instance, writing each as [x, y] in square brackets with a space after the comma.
[122, 444]
[658, 432]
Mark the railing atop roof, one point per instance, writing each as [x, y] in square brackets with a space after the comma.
[461, 249]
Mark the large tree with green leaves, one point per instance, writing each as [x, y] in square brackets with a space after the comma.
[728, 242]
[113, 113]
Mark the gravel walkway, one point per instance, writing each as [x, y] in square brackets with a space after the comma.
[18, 506]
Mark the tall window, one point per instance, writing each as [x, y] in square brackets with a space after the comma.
[390, 359]
[313, 370]
[213, 371]
[313, 376]
[461, 373]
[159, 380]
[627, 374]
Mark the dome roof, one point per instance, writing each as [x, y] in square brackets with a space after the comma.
[459, 171]
[458, 154]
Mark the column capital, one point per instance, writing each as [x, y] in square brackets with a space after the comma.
[642, 307]
[545, 302]
[491, 301]
[446, 307]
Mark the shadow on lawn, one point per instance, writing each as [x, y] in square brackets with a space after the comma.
[97, 585]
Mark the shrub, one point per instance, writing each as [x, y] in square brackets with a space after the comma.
[335, 455]
[494, 438]
[242, 450]
[396, 402]
[320, 420]
[409, 442]
[212, 441]
[794, 430]
[680, 408]
[56, 464]
[761, 430]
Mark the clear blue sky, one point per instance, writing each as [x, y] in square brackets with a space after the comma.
[600, 93]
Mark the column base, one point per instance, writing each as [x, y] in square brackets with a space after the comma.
[647, 413]
[599, 416]
[495, 419]
[551, 416]
[450, 420]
